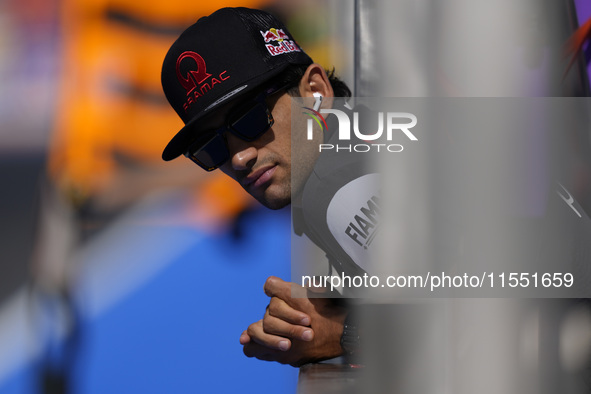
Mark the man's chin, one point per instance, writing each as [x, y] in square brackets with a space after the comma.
[274, 202]
[275, 205]
[272, 197]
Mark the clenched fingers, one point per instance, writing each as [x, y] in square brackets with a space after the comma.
[253, 349]
[279, 327]
[257, 334]
[280, 309]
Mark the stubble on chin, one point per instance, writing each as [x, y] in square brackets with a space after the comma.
[276, 196]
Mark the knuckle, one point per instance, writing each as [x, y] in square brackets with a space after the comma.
[251, 330]
[269, 283]
[267, 325]
[267, 312]
[293, 332]
[273, 306]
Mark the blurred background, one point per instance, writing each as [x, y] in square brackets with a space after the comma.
[120, 273]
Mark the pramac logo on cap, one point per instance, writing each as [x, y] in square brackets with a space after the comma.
[196, 81]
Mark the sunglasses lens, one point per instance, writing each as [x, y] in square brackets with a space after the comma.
[253, 123]
[211, 155]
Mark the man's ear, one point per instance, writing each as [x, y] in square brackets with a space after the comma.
[315, 80]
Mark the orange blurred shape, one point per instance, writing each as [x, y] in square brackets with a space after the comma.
[110, 107]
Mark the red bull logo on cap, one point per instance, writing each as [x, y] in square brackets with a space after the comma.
[284, 44]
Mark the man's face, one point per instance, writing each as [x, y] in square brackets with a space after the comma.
[264, 167]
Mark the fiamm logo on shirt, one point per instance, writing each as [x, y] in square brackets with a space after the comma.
[353, 217]
[362, 228]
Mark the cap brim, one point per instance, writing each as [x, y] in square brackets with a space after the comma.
[181, 141]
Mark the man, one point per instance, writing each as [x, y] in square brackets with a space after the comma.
[230, 77]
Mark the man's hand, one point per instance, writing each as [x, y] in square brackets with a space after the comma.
[294, 330]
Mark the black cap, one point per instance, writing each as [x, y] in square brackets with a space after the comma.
[221, 57]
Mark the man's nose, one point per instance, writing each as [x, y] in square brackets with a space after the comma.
[243, 154]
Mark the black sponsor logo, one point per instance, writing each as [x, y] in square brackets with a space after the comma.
[363, 228]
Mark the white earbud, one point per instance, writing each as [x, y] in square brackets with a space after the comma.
[318, 101]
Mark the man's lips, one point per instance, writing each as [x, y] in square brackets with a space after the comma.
[259, 177]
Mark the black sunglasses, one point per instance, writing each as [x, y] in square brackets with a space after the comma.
[248, 122]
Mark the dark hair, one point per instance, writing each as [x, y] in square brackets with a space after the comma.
[293, 74]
